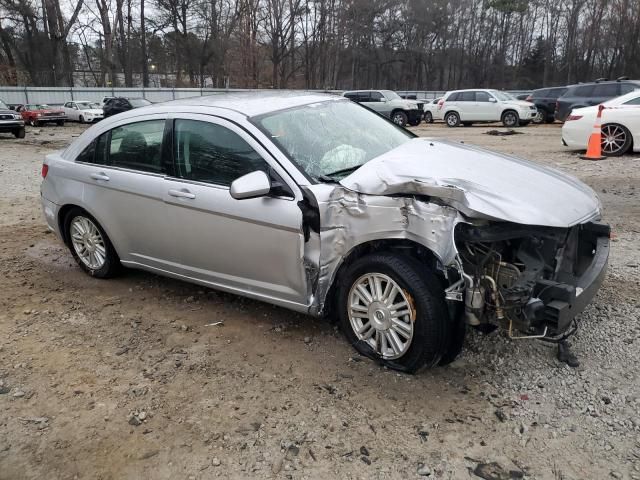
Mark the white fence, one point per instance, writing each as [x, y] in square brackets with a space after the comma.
[60, 95]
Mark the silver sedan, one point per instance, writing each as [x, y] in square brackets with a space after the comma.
[319, 205]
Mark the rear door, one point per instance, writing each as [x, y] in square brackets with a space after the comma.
[251, 246]
[467, 107]
[123, 175]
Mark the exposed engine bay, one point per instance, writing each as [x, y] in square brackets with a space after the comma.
[524, 278]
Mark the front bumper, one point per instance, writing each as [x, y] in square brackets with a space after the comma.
[11, 125]
[414, 115]
[577, 284]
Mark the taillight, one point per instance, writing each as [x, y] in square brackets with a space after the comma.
[573, 117]
[45, 170]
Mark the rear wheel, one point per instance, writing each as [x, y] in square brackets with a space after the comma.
[399, 118]
[452, 119]
[428, 117]
[616, 140]
[393, 310]
[19, 133]
[89, 244]
[510, 119]
[540, 117]
[81, 119]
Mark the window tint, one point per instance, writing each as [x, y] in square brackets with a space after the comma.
[137, 146]
[352, 96]
[211, 153]
[454, 97]
[606, 90]
[482, 97]
[583, 91]
[627, 87]
[376, 97]
[467, 97]
[88, 154]
[635, 101]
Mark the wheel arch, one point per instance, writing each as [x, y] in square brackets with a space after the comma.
[507, 110]
[628, 130]
[64, 211]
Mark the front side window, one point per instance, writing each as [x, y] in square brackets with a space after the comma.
[332, 137]
[211, 153]
[137, 146]
[376, 97]
[482, 97]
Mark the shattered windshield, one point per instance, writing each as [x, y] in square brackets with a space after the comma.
[333, 138]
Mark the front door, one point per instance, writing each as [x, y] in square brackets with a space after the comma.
[252, 246]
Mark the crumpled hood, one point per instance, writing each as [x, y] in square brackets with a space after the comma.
[479, 183]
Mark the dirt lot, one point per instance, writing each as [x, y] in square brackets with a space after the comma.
[125, 378]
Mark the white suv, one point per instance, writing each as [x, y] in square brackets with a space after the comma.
[469, 106]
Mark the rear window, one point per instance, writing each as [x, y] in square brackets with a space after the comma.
[583, 91]
[607, 90]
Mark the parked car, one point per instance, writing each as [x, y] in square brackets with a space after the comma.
[545, 101]
[522, 96]
[620, 125]
[10, 121]
[37, 114]
[472, 106]
[315, 204]
[390, 104]
[83, 111]
[105, 100]
[594, 93]
[121, 104]
[431, 110]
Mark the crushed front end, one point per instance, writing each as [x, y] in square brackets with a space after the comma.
[527, 278]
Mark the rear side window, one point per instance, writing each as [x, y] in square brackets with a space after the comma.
[137, 146]
[635, 101]
[88, 154]
[453, 97]
[583, 91]
[606, 90]
[211, 153]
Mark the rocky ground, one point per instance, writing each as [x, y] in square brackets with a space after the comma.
[135, 377]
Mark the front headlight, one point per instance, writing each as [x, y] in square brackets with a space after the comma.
[17, 117]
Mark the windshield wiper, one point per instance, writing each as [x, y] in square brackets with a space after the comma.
[343, 171]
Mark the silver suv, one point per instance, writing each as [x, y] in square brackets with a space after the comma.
[388, 103]
[315, 204]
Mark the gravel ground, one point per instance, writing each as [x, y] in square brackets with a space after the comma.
[128, 379]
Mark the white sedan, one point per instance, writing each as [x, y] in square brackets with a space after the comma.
[83, 111]
[620, 125]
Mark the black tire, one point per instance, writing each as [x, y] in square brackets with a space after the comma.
[428, 117]
[550, 118]
[35, 123]
[111, 265]
[510, 119]
[452, 119]
[467, 124]
[541, 117]
[431, 325]
[19, 133]
[622, 137]
[81, 119]
[60, 123]
[399, 118]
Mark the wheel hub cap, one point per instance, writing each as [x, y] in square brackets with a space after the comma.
[381, 314]
[88, 243]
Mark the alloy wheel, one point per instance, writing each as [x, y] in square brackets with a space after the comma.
[614, 138]
[381, 314]
[398, 119]
[539, 118]
[88, 243]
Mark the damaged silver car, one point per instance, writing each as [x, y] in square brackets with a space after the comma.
[319, 205]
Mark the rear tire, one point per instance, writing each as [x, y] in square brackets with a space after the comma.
[452, 119]
[616, 140]
[510, 119]
[89, 244]
[428, 117]
[81, 119]
[376, 333]
[20, 133]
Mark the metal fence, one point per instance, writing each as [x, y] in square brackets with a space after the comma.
[60, 95]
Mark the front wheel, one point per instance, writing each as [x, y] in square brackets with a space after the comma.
[399, 118]
[452, 119]
[19, 133]
[510, 119]
[615, 140]
[81, 119]
[428, 117]
[392, 309]
[89, 245]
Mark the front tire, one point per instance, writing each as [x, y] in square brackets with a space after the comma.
[393, 310]
[399, 118]
[452, 119]
[616, 140]
[19, 133]
[90, 245]
[428, 117]
[510, 119]
[81, 119]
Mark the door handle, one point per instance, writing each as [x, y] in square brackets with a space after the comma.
[181, 194]
[99, 176]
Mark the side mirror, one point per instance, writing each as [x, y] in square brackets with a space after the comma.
[492, 100]
[252, 185]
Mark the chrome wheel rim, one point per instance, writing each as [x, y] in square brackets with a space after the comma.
[397, 119]
[88, 243]
[452, 120]
[382, 314]
[510, 119]
[613, 138]
[539, 118]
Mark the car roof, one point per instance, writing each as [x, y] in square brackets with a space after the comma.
[254, 103]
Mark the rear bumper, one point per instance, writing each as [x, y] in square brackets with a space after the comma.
[50, 211]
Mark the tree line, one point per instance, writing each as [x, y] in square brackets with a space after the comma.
[318, 44]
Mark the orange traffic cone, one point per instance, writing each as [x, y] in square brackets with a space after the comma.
[594, 148]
